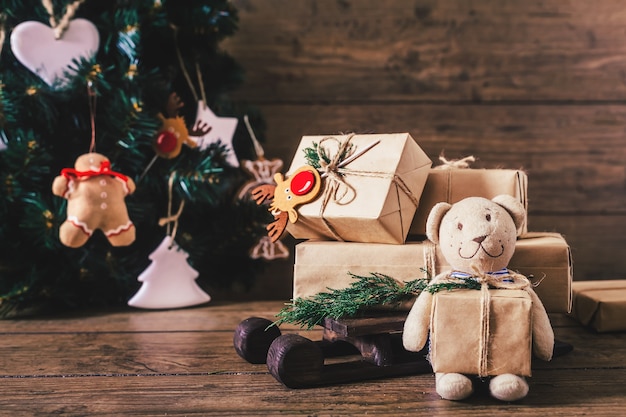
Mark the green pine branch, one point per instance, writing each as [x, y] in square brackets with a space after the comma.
[316, 152]
[366, 292]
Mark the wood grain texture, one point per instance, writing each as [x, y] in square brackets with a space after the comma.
[450, 50]
[122, 370]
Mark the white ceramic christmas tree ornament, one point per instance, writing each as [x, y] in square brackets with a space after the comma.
[36, 46]
[169, 281]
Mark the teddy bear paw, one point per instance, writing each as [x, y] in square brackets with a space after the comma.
[453, 386]
[508, 387]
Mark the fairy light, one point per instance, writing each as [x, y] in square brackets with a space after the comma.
[95, 71]
[132, 71]
[47, 214]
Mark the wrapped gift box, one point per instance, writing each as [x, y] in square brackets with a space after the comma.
[546, 259]
[386, 182]
[453, 185]
[456, 332]
[600, 304]
[320, 265]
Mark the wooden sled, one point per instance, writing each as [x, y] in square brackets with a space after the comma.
[298, 362]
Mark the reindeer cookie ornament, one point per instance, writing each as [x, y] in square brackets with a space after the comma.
[477, 238]
[95, 200]
[301, 187]
[174, 132]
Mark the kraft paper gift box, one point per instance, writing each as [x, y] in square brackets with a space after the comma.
[600, 304]
[455, 184]
[456, 331]
[320, 265]
[383, 186]
[546, 259]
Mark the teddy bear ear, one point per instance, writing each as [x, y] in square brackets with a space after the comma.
[513, 207]
[434, 220]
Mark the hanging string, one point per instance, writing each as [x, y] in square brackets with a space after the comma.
[61, 26]
[171, 218]
[200, 83]
[260, 153]
[183, 68]
[92, 98]
[3, 18]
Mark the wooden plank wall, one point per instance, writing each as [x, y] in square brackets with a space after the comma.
[536, 85]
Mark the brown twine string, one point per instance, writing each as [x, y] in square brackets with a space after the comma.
[183, 68]
[332, 171]
[171, 218]
[337, 188]
[61, 26]
[335, 180]
[483, 346]
[462, 163]
[260, 153]
[92, 97]
[2, 31]
[451, 164]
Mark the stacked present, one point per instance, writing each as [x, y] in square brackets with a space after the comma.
[361, 204]
[371, 212]
[601, 304]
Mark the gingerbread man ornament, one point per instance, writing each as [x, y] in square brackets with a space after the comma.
[95, 200]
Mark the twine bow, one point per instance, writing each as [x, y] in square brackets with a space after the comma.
[336, 186]
[462, 163]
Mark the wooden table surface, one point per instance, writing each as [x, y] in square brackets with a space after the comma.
[182, 362]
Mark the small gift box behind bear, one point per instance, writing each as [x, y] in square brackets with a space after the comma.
[452, 182]
[371, 187]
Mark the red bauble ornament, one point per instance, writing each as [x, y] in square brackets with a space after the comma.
[166, 142]
[302, 183]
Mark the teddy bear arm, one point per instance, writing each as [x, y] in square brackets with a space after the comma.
[543, 335]
[59, 186]
[417, 323]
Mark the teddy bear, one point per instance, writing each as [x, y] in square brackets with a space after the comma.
[477, 238]
[95, 200]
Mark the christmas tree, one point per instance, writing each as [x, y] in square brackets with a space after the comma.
[153, 62]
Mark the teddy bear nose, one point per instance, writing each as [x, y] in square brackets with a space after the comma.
[479, 239]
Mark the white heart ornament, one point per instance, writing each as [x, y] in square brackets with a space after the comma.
[34, 45]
